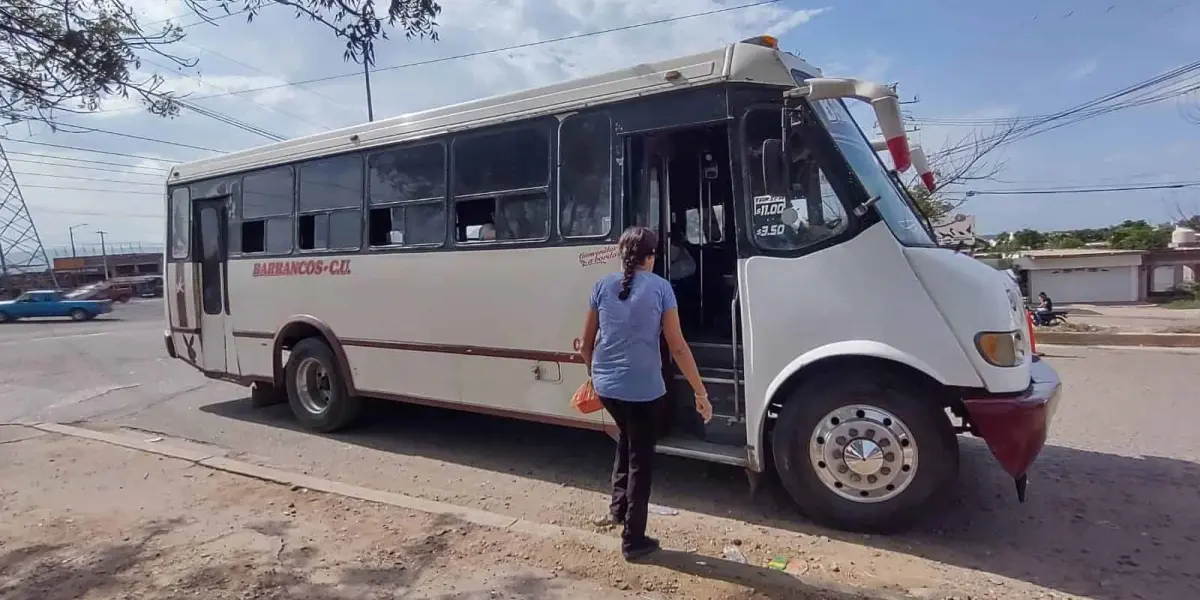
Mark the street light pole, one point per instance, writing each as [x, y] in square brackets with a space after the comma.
[104, 253]
[71, 234]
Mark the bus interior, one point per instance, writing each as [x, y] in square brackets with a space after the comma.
[681, 187]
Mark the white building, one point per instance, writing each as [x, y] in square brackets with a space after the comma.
[1084, 275]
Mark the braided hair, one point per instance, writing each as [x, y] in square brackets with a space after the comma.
[636, 245]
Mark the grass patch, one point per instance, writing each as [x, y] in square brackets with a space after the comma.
[1184, 303]
[1191, 328]
[1071, 327]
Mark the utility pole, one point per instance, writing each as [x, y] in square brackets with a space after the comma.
[104, 253]
[71, 234]
[367, 79]
[368, 55]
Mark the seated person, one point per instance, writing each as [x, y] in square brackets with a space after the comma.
[1045, 310]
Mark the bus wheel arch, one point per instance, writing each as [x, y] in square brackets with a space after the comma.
[807, 406]
[302, 327]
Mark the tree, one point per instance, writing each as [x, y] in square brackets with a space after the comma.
[960, 162]
[69, 55]
[1063, 239]
[1028, 239]
[1140, 235]
[931, 205]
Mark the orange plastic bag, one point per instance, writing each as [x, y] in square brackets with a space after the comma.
[585, 399]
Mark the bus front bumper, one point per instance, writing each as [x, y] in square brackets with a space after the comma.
[1015, 426]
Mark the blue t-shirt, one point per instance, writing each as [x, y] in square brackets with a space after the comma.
[627, 364]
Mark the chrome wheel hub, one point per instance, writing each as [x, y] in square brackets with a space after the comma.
[863, 453]
[313, 386]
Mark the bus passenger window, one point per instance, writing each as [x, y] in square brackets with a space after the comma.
[266, 212]
[407, 195]
[418, 224]
[585, 175]
[501, 185]
[330, 204]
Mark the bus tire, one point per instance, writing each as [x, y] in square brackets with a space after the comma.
[868, 454]
[316, 388]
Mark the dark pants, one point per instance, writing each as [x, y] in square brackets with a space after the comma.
[637, 426]
[1042, 316]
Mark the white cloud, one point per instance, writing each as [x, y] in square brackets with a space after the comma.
[151, 13]
[877, 67]
[1083, 70]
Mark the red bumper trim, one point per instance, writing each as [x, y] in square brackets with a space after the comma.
[1015, 427]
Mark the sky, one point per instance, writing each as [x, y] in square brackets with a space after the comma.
[955, 60]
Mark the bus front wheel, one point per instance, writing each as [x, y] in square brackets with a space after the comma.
[316, 388]
[868, 454]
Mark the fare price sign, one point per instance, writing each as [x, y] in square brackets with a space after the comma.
[769, 215]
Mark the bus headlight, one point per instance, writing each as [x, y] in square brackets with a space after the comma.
[1001, 348]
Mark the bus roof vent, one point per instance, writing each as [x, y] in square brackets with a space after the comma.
[768, 41]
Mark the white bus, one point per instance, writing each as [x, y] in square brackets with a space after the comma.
[445, 258]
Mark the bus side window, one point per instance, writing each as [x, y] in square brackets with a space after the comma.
[266, 212]
[330, 204]
[407, 196]
[585, 175]
[181, 220]
[501, 185]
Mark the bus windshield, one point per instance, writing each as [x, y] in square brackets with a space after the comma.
[900, 216]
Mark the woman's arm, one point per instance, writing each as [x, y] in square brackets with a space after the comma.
[591, 326]
[687, 363]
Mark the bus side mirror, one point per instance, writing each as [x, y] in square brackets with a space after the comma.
[774, 165]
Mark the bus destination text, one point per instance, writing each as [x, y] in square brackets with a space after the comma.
[333, 266]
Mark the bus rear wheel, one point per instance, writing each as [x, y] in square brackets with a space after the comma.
[870, 454]
[316, 388]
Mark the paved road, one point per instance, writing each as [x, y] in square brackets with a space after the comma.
[1114, 508]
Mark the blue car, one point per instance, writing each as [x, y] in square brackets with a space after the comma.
[51, 304]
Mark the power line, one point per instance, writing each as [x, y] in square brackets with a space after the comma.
[229, 120]
[84, 160]
[79, 189]
[497, 50]
[134, 137]
[104, 169]
[109, 152]
[212, 114]
[1171, 84]
[203, 19]
[330, 99]
[92, 213]
[102, 180]
[1082, 190]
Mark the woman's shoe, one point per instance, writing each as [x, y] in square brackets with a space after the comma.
[640, 550]
[608, 520]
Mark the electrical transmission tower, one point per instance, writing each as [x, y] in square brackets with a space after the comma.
[21, 249]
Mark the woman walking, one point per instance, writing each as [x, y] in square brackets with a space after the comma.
[629, 313]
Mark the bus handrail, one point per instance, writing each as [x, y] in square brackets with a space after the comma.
[737, 376]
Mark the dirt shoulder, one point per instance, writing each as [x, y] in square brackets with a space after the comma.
[1131, 319]
[87, 520]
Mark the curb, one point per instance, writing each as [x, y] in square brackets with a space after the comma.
[1101, 338]
[483, 518]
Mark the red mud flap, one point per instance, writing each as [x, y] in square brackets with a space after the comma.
[1015, 426]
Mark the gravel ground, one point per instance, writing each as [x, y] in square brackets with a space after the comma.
[85, 520]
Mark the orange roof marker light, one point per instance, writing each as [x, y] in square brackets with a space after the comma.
[883, 101]
[769, 41]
